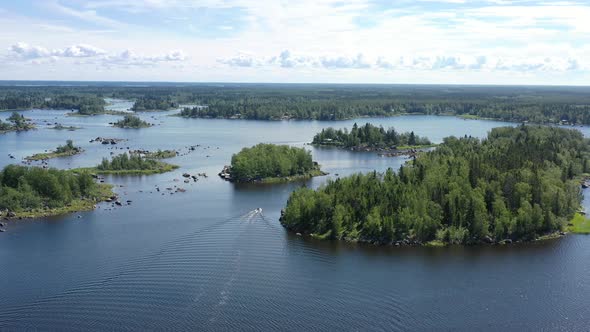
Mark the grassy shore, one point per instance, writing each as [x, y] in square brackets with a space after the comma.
[161, 168]
[579, 224]
[300, 177]
[61, 127]
[160, 154]
[102, 193]
[50, 155]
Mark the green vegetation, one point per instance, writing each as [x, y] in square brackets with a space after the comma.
[579, 224]
[518, 183]
[62, 151]
[24, 98]
[270, 163]
[369, 137]
[131, 121]
[151, 103]
[16, 122]
[124, 164]
[34, 192]
[59, 126]
[160, 154]
[85, 105]
[318, 101]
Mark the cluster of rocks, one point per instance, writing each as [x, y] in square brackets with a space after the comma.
[188, 177]
[105, 140]
[225, 173]
[115, 201]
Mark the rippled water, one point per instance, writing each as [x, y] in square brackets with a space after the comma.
[203, 260]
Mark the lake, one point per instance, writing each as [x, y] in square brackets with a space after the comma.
[202, 260]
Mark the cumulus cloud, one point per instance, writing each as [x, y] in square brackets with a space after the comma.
[41, 55]
[25, 51]
[241, 60]
[286, 59]
[29, 52]
[357, 62]
[130, 58]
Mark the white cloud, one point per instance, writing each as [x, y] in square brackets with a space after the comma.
[408, 62]
[25, 51]
[40, 55]
[130, 58]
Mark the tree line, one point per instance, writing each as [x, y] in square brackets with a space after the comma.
[29, 188]
[518, 183]
[154, 103]
[368, 136]
[319, 101]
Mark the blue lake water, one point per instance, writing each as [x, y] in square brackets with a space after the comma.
[201, 260]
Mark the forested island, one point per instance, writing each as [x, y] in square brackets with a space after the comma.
[69, 149]
[125, 164]
[16, 122]
[564, 105]
[27, 192]
[131, 121]
[370, 138]
[518, 184]
[271, 163]
[151, 103]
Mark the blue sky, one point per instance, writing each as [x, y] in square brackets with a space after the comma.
[356, 41]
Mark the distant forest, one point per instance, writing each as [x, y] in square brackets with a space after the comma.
[316, 102]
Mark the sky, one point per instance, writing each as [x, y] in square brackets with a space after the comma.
[305, 41]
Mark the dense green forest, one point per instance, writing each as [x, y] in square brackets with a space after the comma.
[84, 104]
[132, 164]
[267, 161]
[131, 121]
[324, 101]
[369, 136]
[154, 103]
[15, 122]
[518, 183]
[30, 191]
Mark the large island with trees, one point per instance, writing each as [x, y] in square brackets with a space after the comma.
[370, 138]
[27, 192]
[518, 184]
[271, 163]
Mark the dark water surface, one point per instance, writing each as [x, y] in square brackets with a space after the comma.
[202, 260]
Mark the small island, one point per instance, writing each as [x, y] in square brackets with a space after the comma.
[159, 154]
[59, 126]
[518, 184]
[29, 192]
[131, 121]
[372, 138]
[62, 151]
[149, 103]
[267, 163]
[125, 164]
[16, 122]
